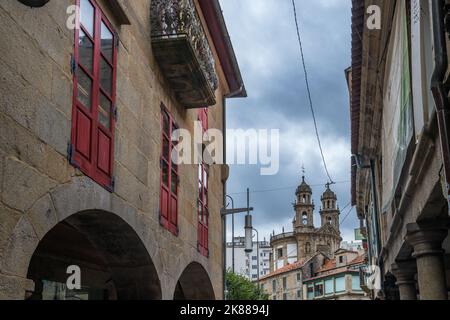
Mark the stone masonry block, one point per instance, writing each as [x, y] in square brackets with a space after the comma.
[18, 142]
[88, 195]
[23, 185]
[8, 221]
[19, 249]
[43, 216]
[14, 288]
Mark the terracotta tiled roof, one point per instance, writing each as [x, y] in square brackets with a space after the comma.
[330, 264]
[358, 260]
[287, 268]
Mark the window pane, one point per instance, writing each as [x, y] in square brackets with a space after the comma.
[166, 149]
[104, 111]
[174, 182]
[356, 285]
[205, 179]
[200, 170]
[200, 211]
[107, 42]
[106, 76]
[340, 284]
[165, 173]
[166, 123]
[86, 50]
[84, 89]
[206, 216]
[87, 16]
[329, 286]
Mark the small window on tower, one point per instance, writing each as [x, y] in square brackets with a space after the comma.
[280, 253]
[305, 218]
[307, 247]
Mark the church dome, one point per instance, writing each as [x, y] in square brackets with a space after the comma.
[303, 187]
[329, 194]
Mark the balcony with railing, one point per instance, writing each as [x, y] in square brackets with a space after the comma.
[182, 51]
[281, 236]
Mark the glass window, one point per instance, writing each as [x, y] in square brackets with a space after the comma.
[84, 89]
[107, 42]
[106, 76]
[318, 290]
[85, 51]
[104, 111]
[356, 283]
[329, 286]
[340, 284]
[87, 16]
[310, 292]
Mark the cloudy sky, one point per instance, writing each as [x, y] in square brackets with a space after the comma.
[264, 38]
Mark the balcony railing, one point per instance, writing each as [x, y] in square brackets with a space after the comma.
[281, 236]
[182, 50]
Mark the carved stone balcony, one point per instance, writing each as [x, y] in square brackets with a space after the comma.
[182, 50]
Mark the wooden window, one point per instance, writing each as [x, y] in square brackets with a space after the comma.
[169, 175]
[203, 211]
[94, 95]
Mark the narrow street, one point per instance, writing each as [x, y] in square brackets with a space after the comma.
[225, 154]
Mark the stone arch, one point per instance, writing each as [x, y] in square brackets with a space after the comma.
[194, 284]
[114, 262]
[78, 197]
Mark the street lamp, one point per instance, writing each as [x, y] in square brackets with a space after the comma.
[224, 213]
[248, 234]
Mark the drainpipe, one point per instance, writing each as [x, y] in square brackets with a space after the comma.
[224, 218]
[438, 88]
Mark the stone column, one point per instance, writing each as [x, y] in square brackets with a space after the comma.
[427, 244]
[405, 272]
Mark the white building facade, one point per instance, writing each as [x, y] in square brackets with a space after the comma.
[246, 264]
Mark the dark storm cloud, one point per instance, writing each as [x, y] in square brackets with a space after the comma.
[264, 38]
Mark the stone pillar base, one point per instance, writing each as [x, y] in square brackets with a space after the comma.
[14, 288]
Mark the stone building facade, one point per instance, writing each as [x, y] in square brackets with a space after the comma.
[85, 119]
[318, 277]
[400, 170]
[338, 279]
[306, 240]
[286, 283]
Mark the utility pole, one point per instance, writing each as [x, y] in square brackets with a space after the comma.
[224, 212]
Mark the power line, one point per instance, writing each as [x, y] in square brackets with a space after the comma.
[309, 93]
[346, 216]
[283, 188]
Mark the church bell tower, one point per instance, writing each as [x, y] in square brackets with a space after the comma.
[329, 212]
[304, 207]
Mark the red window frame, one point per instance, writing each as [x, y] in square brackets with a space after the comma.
[92, 139]
[202, 203]
[169, 185]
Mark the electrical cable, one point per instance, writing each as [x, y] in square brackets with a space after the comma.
[309, 94]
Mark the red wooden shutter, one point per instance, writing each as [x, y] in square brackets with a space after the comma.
[169, 176]
[203, 212]
[93, 119]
